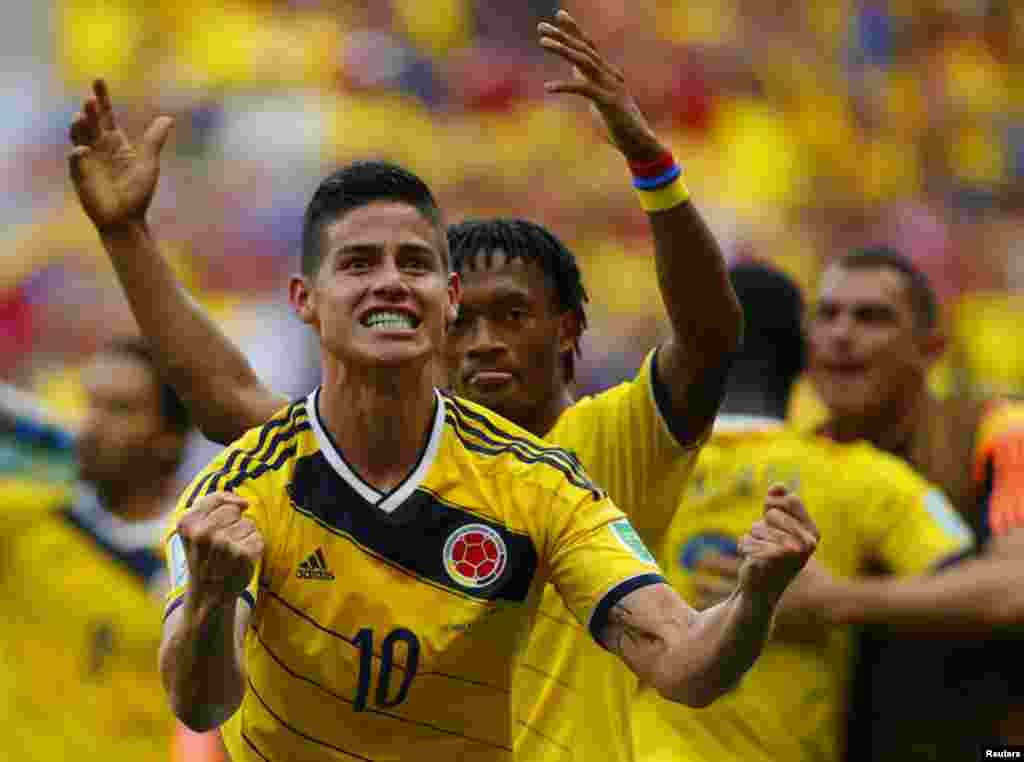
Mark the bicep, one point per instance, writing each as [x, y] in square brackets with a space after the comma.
[642, 627]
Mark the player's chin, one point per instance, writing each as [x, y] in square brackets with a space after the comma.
[394, 350]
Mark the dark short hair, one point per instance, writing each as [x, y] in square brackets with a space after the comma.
[359, 184]
[526, 240]
[173, 410]
[773, 313]
[922, 297]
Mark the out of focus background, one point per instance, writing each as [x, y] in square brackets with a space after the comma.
[804, 128]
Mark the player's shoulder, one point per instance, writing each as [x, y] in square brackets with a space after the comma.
[616, 395]
[493, 440]
[862, 464]
[260, 453]
[23, 497]
[273, 440]
[754, 436]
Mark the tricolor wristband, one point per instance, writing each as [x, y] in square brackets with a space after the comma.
[659, 183]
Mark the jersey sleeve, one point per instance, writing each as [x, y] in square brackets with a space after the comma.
[624, 437]
[596, 558]
[226, 473]
[910, 525]
[999, 466]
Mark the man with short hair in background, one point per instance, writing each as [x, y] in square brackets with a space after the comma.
[81, 573]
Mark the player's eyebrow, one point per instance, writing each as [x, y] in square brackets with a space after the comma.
[374, 247]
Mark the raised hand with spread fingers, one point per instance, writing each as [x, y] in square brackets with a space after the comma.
[114, 176]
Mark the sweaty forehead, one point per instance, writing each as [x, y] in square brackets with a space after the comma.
[853, 286]
[495, 272]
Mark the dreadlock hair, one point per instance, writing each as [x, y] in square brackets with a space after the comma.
[526, 240]
[922, 296]
[357, 185]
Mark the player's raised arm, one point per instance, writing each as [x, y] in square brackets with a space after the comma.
[706, 318]
[201, 656]
[115, 179]
[694, 657]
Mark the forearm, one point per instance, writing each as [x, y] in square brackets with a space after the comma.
[718, 648]
[202, 667]
[972, 598]
[205, 367]
[706, 318]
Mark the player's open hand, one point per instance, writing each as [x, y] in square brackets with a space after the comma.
[603, 84]
[115, 177]
[222, 547]
[777, 546]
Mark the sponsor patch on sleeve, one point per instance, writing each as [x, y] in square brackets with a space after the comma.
[631, 541]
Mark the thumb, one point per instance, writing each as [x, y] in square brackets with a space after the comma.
[155, 137]
[75, 159]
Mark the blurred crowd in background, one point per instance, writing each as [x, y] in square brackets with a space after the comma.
[804, 128]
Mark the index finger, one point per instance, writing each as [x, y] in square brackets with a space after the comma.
[568, 23]
[209, 503]
[794, 506]
[106, 109]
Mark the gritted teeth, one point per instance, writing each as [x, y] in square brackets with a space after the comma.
[389, 319]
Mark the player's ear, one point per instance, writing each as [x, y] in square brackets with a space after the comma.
[568, 331]
[300, 294]
[454, 297]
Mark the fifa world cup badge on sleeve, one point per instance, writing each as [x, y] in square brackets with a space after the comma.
[631, 541]
[179, 563]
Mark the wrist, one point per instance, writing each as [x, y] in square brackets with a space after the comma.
[757, 603]
[200, 606]
[658, 182]
[124, 229]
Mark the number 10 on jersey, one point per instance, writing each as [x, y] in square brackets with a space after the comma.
[383, 699]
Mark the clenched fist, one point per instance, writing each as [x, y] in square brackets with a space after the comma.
[777, 546]
[222, 547]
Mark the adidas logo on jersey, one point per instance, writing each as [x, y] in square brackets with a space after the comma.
[314, 567]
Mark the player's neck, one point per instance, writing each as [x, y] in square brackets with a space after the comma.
[134, 503]
[547, 414]
[891, 429]
[757, 401]
[379, 419]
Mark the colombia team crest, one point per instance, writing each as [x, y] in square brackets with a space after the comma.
[474, 555]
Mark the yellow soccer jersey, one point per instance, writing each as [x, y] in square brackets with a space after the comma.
[80, 593]
[573, 699]
[870, 508]
[385, 626]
